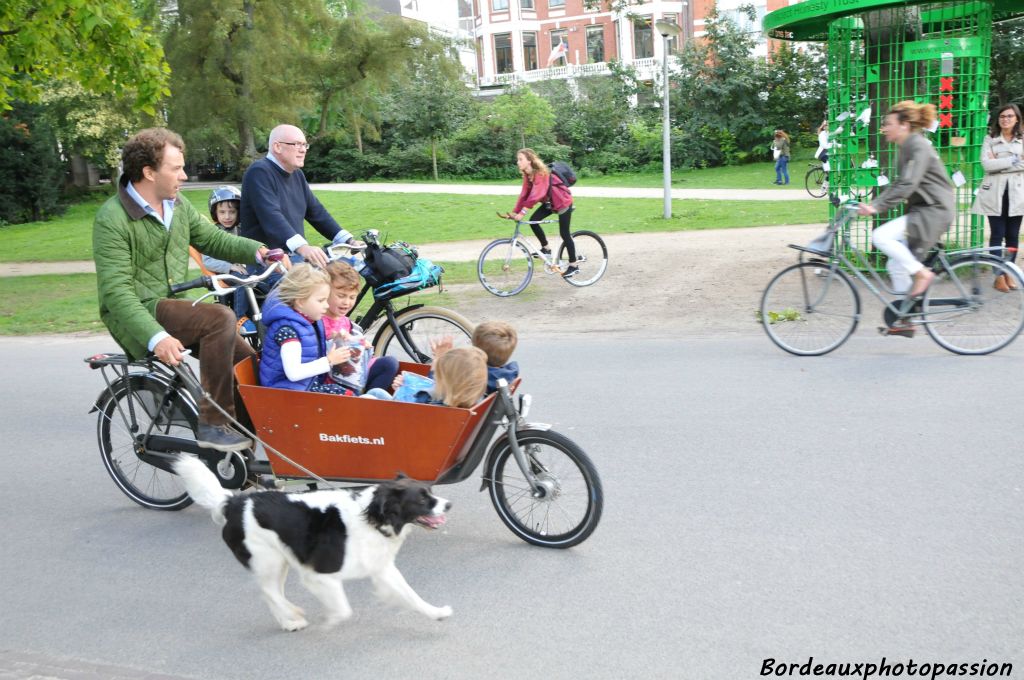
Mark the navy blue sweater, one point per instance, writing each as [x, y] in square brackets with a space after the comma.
[275, 203]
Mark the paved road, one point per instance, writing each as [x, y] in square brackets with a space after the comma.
[857, 506]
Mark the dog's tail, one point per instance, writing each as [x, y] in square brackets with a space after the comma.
[202, 486]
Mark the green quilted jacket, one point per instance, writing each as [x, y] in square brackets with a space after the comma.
[137, 259]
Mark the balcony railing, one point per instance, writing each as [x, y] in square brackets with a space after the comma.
[646, 68]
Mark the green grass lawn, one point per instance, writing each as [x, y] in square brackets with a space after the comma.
[429, 218]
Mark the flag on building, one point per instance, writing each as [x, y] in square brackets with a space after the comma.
[560, 51]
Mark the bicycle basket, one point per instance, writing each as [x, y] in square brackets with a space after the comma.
[384, 265]
[424, 275]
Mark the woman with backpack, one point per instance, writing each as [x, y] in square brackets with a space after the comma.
[540, 185]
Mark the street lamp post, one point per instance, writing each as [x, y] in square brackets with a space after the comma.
[668, 30]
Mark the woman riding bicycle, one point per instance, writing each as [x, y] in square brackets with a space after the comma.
[540, 184]
[924, 187]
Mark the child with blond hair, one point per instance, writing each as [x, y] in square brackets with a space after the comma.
[295, 353]
[460, 379]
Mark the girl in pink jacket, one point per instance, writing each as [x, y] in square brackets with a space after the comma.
[540, 185]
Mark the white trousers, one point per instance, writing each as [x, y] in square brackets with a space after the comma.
[891, 239]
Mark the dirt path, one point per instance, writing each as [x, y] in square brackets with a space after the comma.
[694, 283]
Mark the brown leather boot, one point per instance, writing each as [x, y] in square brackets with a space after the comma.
[1001, 284]
[1010, 283]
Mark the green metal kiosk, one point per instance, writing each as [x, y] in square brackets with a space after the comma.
[884, 51]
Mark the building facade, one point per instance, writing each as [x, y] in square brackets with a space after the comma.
[517, 40]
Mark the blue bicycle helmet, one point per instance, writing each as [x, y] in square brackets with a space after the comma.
[221, 194]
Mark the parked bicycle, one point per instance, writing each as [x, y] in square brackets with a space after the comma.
[405, 333]
[812, 307]
[816, 180]
[505, 266]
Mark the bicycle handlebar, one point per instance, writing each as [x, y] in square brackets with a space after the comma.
[201, 282]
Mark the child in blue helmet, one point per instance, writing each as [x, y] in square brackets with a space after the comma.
[224, 203]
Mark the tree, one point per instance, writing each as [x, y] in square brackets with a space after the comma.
[433, 103]
[355, 58]
[238, 66]
[796, 88]
[31, 171]
[1007, 84]
[94, 126]
[100, 44]
[524, 113]
[716, 97]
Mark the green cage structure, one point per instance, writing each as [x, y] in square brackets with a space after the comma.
[881, 52]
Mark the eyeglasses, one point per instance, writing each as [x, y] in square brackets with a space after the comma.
[1008, 116]
[297, 145]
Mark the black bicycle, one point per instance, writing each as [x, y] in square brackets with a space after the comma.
[816, 180]
[405, 333]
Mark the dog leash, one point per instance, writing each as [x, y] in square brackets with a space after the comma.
[189, 377]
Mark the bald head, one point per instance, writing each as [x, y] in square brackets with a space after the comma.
[288, 144]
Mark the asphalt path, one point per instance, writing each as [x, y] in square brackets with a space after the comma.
[862, 505]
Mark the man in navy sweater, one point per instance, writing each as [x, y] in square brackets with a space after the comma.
[276, 198]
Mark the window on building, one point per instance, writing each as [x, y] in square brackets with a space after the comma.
[595, 44]
[643, 38]
[503, 53]
[526, 4]
[556, 3]
[530, 51]
[558, 37]
[499, 5]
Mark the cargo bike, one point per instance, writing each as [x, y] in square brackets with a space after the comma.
[543, 486]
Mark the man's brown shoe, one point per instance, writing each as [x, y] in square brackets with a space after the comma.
[1001, 284]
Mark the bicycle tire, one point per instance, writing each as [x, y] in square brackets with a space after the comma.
[145, 484]
[567, 515]
[809, 309]
[505, 267]
[591, 258]
[814, 181]
[421, 325]
[987, 320]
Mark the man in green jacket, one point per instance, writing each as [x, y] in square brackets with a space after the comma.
[140, 243]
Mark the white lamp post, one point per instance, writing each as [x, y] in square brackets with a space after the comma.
[668, 30]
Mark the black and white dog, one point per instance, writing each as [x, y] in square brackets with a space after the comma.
[327, 536]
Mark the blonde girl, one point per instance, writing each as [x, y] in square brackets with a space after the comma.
[460, 377]
[295, 354]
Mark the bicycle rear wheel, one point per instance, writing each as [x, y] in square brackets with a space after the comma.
[505, 267]
[965, 314]
[421, 326]
[815, 182]
[591, 258]
[145, 484]
[810, 309]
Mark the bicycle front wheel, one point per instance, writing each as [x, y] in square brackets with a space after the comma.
[964, 312]
[591, 258]
[815, 182]
[421, 326]
[505, 267]
[569, 507]
[810, 309]
[119, 437]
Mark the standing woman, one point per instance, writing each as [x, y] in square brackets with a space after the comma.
[922, 184]
[1001, 195]
[780, 147]
[540, 184]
